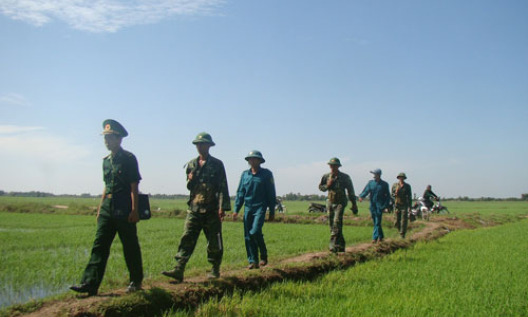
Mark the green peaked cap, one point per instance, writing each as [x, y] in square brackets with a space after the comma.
[113, 127]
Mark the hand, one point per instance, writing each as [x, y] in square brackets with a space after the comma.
[235, 216]
[190, 176]
[360, 199]
[271, 217]
[329, 182]
[133, 217]
[221, 214]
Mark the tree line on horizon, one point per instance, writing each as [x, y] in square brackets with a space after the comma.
[287, 197]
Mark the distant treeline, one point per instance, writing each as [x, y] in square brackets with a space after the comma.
[290, 196]
[43, 194]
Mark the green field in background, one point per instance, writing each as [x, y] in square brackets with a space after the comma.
[166, 207]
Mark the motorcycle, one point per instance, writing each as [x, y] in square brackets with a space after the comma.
[420, 209]
[438, 208]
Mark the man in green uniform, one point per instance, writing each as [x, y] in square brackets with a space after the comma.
[401, 191]
[428, 197]
[336, 183]
[208, 201]
[118, 213]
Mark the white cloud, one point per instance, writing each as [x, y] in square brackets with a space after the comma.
[103, 15]
[13, 99]
[33, 159]
[11, 129]
[37, 145]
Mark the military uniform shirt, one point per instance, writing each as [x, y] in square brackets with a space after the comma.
[118, 173]
[256, 192]
[208, 187]
[403, 197]
[336, 192]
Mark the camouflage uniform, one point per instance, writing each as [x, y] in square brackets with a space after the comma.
[336, 203]
[402, 204]
[208, 193]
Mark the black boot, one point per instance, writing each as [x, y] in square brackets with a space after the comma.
[84, 288]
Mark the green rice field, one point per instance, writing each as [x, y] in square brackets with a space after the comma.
[467, 273]
[42, 254]
[45, 244]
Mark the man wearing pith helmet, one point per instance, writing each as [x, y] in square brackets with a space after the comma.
[401, 191]
[256, 191]
[208, 201]
[336, 183]
[117, 213]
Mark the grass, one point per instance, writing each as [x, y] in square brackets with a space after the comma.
[43, 249]
[42, 254]
[467, 273]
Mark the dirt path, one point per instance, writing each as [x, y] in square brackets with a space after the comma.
[161, 296]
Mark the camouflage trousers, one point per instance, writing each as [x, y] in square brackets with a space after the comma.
[401, 215]
[211, 225]
[335, 219]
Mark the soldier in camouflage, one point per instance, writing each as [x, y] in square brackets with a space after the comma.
[401, 191]
[208, 201]
[336, 183]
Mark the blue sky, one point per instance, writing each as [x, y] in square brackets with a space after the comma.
[436, 89]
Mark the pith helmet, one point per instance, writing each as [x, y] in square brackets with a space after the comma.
[402, 175]
[203, 137]
[334, 161]
[376, 171]
[113, 127]
[256, 154]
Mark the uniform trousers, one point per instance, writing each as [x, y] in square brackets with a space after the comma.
[335, 219]
[401, 214]
[107, 227]
[211, 225]
[376, 215]
[253, 236]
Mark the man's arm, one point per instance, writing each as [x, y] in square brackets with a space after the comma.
[101, 202]
[134, 215]
[271, 196]
[409, 194]
[365, 192]
[223, 192]
[240, 195]
[351, 195]
[323, 184]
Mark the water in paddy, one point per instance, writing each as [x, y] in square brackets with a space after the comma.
[10, 296]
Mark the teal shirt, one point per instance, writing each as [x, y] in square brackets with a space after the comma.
[119, 172]
[379, 195]
[256, 192]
